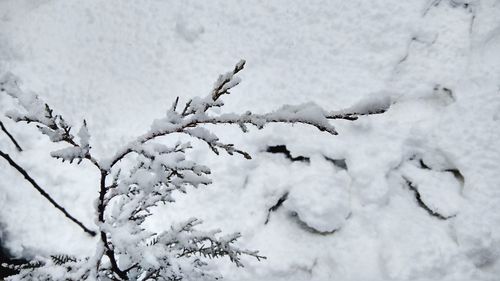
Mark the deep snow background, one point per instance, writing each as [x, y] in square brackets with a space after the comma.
[120, 64]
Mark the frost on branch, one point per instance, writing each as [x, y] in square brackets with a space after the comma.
[78, 152]
[374, 105]
[35, 110]
[175, 254]
[55, 267]
[127, 250]
[195, 113]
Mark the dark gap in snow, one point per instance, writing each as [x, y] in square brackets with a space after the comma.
[276, 206]
[312, 230]
[465, 4]
[456, 173]
[407, 53]
[440, 90]
[340, 163]
[284, 150]
[6, 271]
[421, 203]
[423, 165]
[448, 92]
[7, 258]
[414, 39]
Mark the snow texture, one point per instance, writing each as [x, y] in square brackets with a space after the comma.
[323, 205]
[120, 64]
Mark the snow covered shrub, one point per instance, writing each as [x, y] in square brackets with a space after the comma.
[126, 250]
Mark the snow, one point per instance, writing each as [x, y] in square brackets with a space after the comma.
[120, 64]
[441, 191]
[321, 204]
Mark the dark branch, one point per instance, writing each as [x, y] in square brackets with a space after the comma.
[107, 245]
[18, 147]
[43, 193]
[284, 150]
[353, 116]
[276, 206]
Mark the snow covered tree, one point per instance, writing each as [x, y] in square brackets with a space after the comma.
[126, 250]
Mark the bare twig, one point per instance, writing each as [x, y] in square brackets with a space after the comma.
[12, 139]
[44, 193]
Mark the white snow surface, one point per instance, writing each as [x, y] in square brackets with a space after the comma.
[119, 64]
[320, 203]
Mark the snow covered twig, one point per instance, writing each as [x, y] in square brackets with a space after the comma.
[49, 123]
[127, 250]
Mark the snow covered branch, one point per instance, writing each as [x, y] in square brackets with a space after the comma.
[127, 250]
[375, 105]
[194, 114]
[49, 123]
[24, 173]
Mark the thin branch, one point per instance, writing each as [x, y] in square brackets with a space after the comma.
[43, 193]
[12, 139]
[276, 206]
[254, 119]
[353, 116]
[42, 115]
[168, 173]
[100, 209]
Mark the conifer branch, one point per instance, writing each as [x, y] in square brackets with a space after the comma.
[178, 253]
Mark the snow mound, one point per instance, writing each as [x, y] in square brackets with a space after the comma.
[439, 190]
[322, 203]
